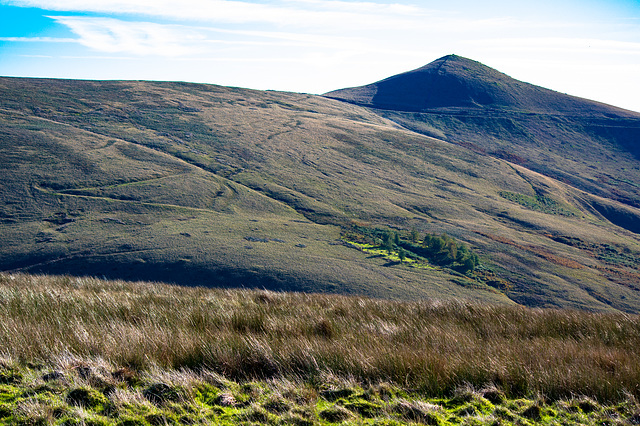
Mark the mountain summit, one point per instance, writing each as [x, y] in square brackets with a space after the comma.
[456, 82]
[589, 145]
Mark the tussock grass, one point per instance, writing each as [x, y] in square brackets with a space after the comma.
[428, 346]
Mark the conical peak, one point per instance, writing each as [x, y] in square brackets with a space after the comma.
[451, 81]
[463, 67]
[452, 59]
[454, 81]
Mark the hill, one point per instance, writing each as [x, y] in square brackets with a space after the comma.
[589, 145]
[219, 186]
[457, 82]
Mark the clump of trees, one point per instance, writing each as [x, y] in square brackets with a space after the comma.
[445, 251]
[442, 250]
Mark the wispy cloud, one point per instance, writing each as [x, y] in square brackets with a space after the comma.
[359, 6]
[346, 25]
[139, 38]
[309, 13]
[147, 39]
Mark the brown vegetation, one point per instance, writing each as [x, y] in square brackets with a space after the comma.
[539, 251]
[429, 346]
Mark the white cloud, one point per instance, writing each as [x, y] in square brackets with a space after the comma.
[362, 7]
[139, 38]
[306, 14]
[147, 39]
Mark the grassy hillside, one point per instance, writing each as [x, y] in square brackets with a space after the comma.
[231, 187]
[586, 144]
[197, 356]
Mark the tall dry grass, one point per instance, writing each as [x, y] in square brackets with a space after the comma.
[429, 346]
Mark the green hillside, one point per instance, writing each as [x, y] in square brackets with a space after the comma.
[189, 183]
[588, 145]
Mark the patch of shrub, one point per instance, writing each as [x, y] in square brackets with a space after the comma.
[539, 203]
[335, 414]
[87, 398]
[160, 393]
[442, 250]
[364, 408]
[415, 412]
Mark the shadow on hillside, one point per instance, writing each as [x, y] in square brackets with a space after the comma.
[178, 273]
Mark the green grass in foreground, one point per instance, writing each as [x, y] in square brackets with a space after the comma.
[77, 392]
[88, 351]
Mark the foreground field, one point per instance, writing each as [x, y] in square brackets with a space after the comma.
[100, 352]
[77, 392]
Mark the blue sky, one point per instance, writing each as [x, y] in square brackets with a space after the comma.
[588, 48]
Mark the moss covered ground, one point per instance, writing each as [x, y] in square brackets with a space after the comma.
[77, 392]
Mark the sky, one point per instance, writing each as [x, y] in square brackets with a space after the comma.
[587, 48]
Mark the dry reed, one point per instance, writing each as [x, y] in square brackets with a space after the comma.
[241, 334]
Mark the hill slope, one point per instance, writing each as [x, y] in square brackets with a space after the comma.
[590, 145]
[232, 187]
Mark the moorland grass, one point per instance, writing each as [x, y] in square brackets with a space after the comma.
[429, 347]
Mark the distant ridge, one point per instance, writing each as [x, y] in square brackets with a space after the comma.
[457, 82]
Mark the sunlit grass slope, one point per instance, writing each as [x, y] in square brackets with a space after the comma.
[106, 352]
[239, 188]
